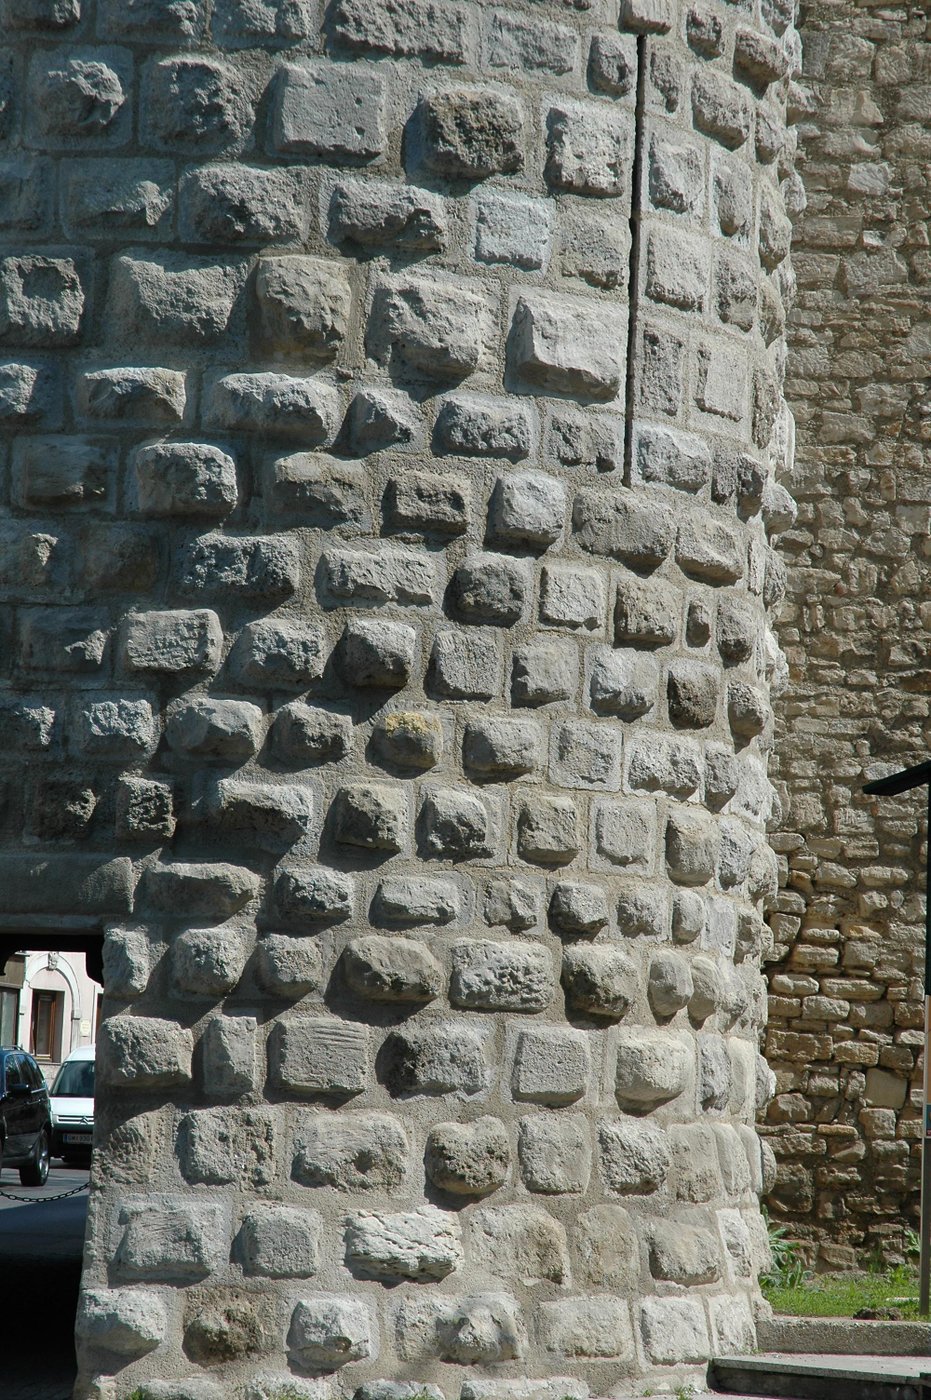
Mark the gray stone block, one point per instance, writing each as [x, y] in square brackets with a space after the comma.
[227, 730]
[468, 1159]
[277, 405]
[477, 426]
[522, 1243]
[377, 654]
[566, 345]
[198, 890]
[578, 908]
[124, 1322]
[421, 1244]
[635, 1156]
[350, 1151]
[599, 980]
[372, 816]
[548, 830]
[438, 329]
[443, 1059]
[590, 149]
[171, 642]
[391, 969]
[240, 204]
[496, 976]
[279, 1242]
[653, 1067]
[470, 133]
[588, 1328]
[270, 653]
[320, 1056]
[412, 738]
[304, 305]
[555, 1153]
[175, 1238]
[207, 962]
[144, 1052]
[376, 214]
[405, 27]
[292, 967]
[329, 1332]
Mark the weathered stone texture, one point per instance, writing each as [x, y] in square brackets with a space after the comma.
[846, 957]
[388, 490]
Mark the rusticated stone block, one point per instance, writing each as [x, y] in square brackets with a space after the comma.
[555, 1153]
[470, 133]
[502, 976]
[350, 1151]
[420, 1245]
[551, 1066]
[330, 1332]
[566, 345]
[652, 1068]
[175, 1238]
[317, 1056]
[391, 969]
[599, 980]
[143, 1052]
[443, 1059]
[279, 1242]
[171, 641]
[635, 1156]
[468, 1159]
[304, 305]
[519, 1242]
[124, 1322]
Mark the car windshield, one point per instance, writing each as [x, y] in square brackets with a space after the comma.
[75, 1080]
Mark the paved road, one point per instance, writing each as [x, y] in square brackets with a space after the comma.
[40, 1267]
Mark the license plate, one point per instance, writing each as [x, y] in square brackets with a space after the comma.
[78, 1139]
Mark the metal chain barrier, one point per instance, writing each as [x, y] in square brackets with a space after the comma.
[32, 1200]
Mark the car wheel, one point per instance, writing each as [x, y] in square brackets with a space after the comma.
[36, 1172]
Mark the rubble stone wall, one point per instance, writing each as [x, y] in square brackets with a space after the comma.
[845, 1009]
[391, 425]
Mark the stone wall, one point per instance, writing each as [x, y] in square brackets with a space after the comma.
[391, 408]
[845, 1007]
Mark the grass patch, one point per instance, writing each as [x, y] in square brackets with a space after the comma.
[845, 1295]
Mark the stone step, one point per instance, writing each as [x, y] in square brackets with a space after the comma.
[843, 1336]
[814, 1376]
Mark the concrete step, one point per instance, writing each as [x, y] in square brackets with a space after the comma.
[813, 1376]
[843, 1336]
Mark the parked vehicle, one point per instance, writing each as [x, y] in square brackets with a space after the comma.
[72, 1100]
[25, 1116]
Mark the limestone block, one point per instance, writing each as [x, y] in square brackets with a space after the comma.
[669, 986]
[455, 825]
[530, 44]
[408, 900]
[732, 198]
[491, 588]
[586, 755]
[647, 16]
[676, 271]
[627, 526]
[229, 1064]
[412, 738]
[172, 642]
[144, 1052]
[192, 103]
[276, 404]
[653, 1067]
[578, 909]
[722, 776]
[266, 1385]
[692, 845]
[657, 763]
[608, 1248]
[318, 490]
[391, 969]
[567, 345]
[555, 1153]
[474, 425]
[376, 214]
[116, 729]
[671, 458]
[127, 1322]
[479, 1330]
[55, 471]
[304, 305]
[322, 110]
[431, 31]
[328, 1332]
[733, 1328]
[194, 1388]
[199, 890]
[41, 301]
[372, 816]
[696, 1168]
[502, 748]
[682, 1253]
[547, 830]
[501, 976]
[184, 479]
[625, 684]
[126, 961]
[587, 1328]
[207, 962]
[421, 1244]
[512, 229]
[291, 967]
[303, 734]
[377, 654]
[320, 1056]
[81, 98]
[228, 730]
[572, 597]
[597, 251]
[28, 393]
[720, 108]
[647, 612]
[673, 1330]
[173, 299]
[465, 666]
[707, 989]
[245, 566]
[612, 64]
[240, 204]
[625, 834]
[522, 1243]
[311, 894]
[279, 1242]
[350, 1151]
[512, 903]
[277, 654]
[176, 1238]
[355, 577]
[599, 980]
[590, 149]
[100, 197]
[54, 639]
[527, 508]
[748, 711]
[216, 1147]
[439, 329]
[468, 1159]
[470, 133]
[271, 816]
[634, 1156]
[43, 14]
[424, 502]
[544, 670]
[424, 1059]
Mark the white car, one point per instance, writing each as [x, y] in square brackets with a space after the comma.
[72, 1103]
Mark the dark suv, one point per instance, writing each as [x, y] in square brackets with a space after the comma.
[25, 1117]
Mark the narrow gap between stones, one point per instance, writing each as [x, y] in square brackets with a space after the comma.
[634, 269]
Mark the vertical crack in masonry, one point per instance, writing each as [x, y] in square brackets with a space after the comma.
[634, 270]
